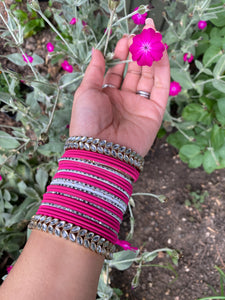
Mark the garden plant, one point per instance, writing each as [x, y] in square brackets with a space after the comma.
[194, 121]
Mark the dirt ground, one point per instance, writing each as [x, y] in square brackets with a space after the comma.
[197, 232]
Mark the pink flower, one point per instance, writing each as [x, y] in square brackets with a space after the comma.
[202, 24]
[107, 30]
[126, 245]
[84, 23]
[0, 177]
[68, 126]
[188, 57]
[73, 21]
[166, 46]
[50, 47]
[27, 58]
[66, 66]
[175, 88]
[9, 268]
[147, 47]
[139, 18]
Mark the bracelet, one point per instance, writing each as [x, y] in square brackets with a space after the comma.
[73, 233]
[108, 148]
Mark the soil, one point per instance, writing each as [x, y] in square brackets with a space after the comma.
[197, 232]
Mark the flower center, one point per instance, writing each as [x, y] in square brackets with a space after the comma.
[146, 47]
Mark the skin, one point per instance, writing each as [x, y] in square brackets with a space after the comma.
[50, 267]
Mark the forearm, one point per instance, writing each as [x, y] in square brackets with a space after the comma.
[53, 268]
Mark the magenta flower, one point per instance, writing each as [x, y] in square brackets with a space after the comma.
[68, 126]
[27, 58]
[126, 245]
[175, 88]
[50, 47]
[9, 268]
[0, 177]
[73, 21]
[147, 47]
[66, 66]
[188, 57]
[139, 18]
[84, 23]
[202, 24]
[166, 46]
[106, 29]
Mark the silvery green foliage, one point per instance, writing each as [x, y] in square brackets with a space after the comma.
[199, 117]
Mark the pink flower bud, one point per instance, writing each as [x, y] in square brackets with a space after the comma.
[175, 88]
[9, 268]
[84, 23]
[66, 66]
[139, 18]
[166, 46]
[126, 245]
[202, 24]
[73, 21]
[50, 47]
[27, 58]
[188, 57]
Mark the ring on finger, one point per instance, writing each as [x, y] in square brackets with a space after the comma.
[108, 85]
[143, 94]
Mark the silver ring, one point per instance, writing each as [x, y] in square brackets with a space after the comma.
[143, 94]
[108, 85]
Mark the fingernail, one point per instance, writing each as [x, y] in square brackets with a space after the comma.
[131, 35]
[149, 21]
[125, 35]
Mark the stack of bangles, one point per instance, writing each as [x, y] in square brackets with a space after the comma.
[89, 194]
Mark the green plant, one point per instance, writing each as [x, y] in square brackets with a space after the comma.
[197, 198]
[197, 113]
[29, 19]
[221, 294]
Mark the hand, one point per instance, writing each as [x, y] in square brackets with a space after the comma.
[118, 114]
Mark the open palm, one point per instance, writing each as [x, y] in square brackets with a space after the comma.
[117, 113]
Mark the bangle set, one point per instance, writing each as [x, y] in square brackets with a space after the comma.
[75, 234]
[104, 147]
[89, 194]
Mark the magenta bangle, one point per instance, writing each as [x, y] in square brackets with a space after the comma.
[109, 161]
[90, 190]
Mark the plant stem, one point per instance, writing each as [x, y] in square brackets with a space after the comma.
[58, 33]
[72, 81]
[53, 112]
[112, 12]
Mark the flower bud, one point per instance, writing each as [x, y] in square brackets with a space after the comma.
[142, 9]
[34, 5]
[113, 4]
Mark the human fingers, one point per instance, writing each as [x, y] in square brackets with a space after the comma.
[133, 73]
[114, 75]
[94, 75]
[146, 81]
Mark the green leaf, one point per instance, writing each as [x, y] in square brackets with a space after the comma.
[219, 85]
[219, 67]
[182, 77]
[217, 136]
[221, 105]
[199, 65]
[122, 260]
[44, 87]
[37, 60]
[188, 152]
[32, 193]
[197, 112]
[211, 55]
[209, 162]
[220, 20]
[17, 59]
[196, 161]
[41, 178]
[7, 141]
[20, 15]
